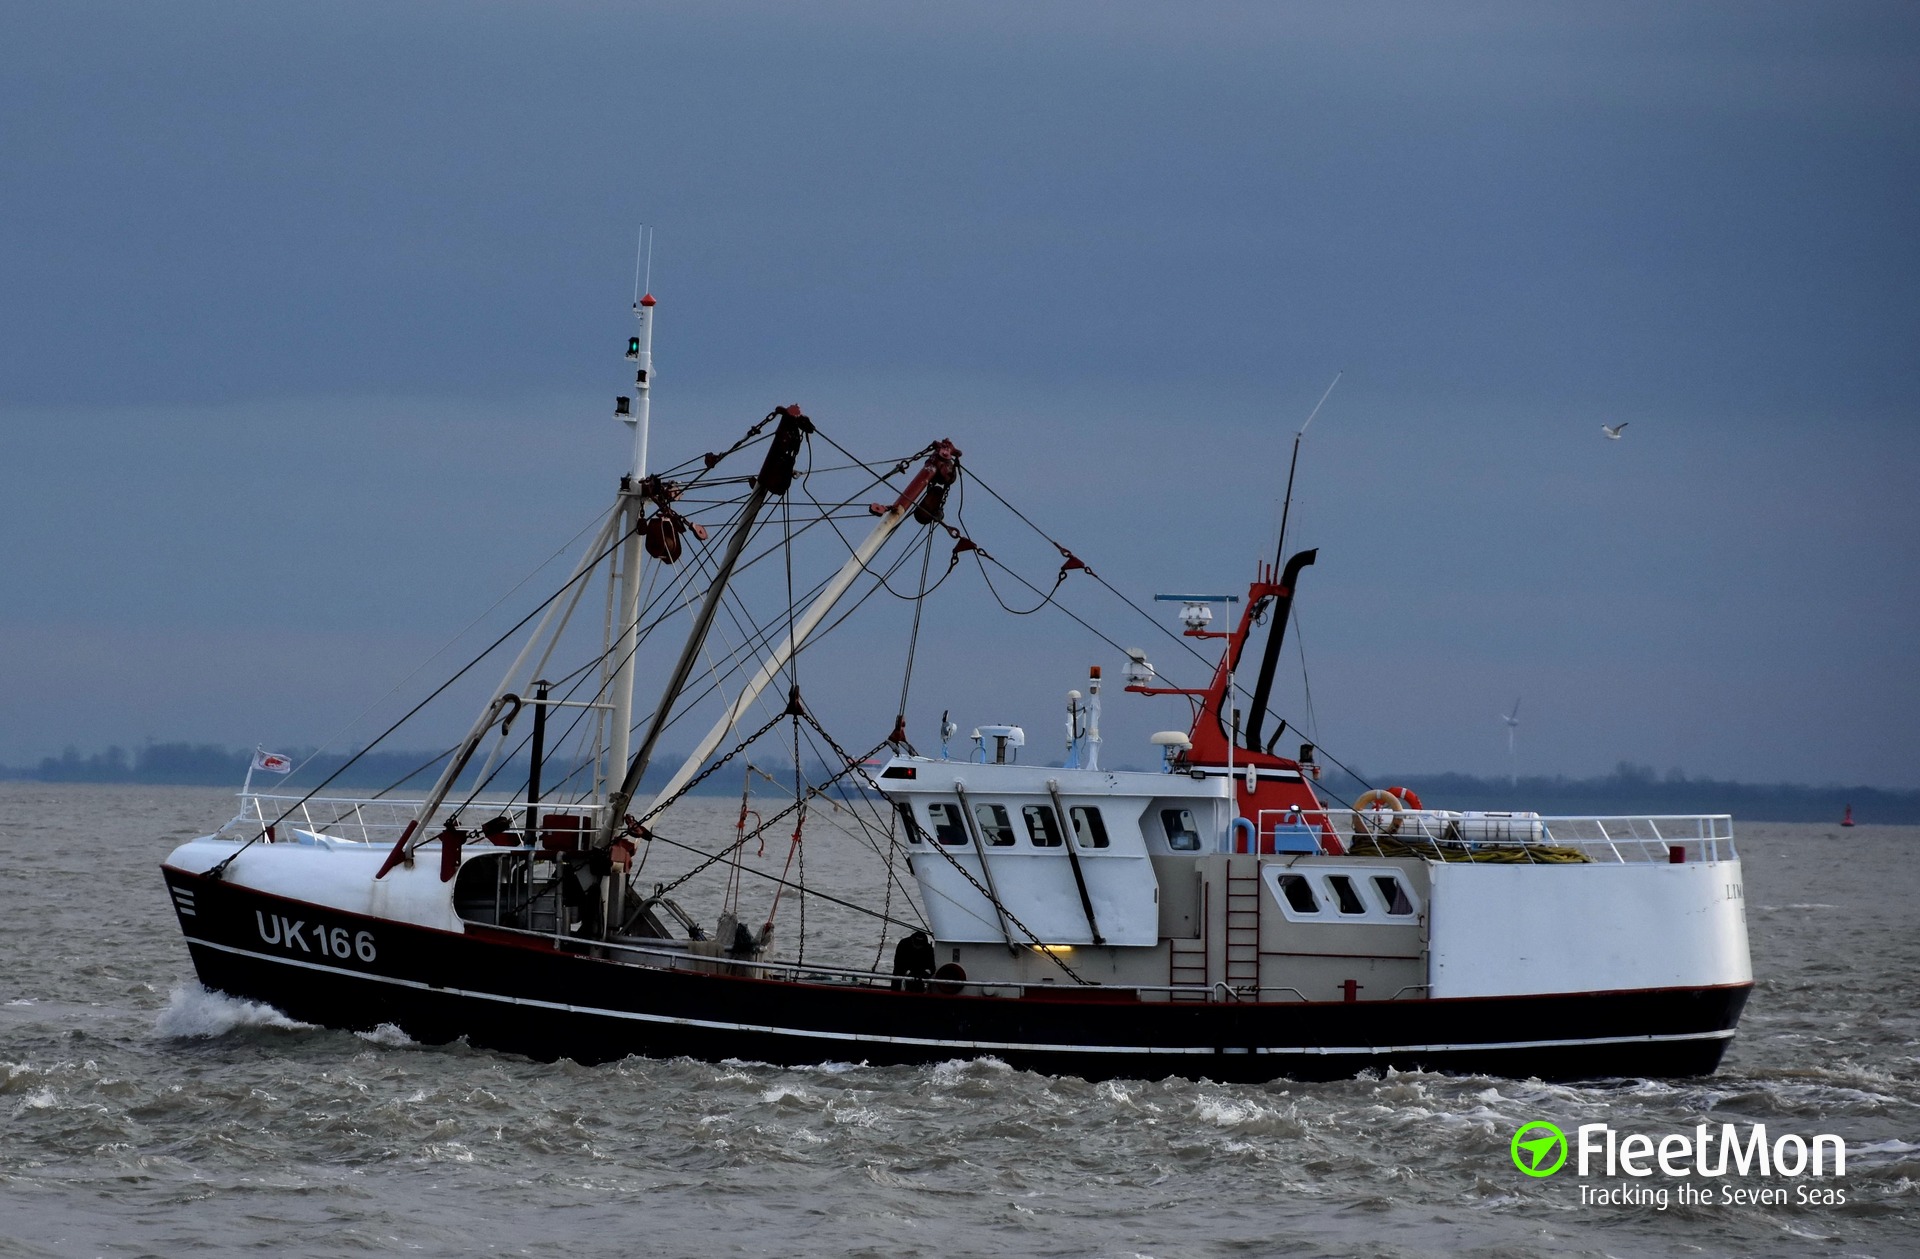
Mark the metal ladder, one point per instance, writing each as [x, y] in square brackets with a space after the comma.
[1243, 923]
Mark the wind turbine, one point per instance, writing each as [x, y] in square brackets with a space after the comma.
[1513, 723]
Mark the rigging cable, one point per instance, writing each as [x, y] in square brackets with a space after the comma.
[868, 830]
[743, 868]
[1306, 687]
[462, 632]
[219, 868]
[712, 858]
[859, 766]
[1144, 614]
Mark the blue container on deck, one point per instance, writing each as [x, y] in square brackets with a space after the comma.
[1296, 837]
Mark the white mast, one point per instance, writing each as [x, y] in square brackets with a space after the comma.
[626, 629]
[1092, 757]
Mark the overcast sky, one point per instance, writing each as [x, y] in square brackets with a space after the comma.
[310, 319]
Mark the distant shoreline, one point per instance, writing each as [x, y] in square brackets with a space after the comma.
[1630, 789]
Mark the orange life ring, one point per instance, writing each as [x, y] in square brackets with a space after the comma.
[1408, 796]
[1373, 801]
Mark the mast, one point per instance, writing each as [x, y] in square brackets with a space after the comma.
[626, 626]
[1093, 718]
[1263, 688]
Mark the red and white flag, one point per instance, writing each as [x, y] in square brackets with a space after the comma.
[271, 762]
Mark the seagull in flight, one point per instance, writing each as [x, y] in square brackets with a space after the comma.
[1613, 430]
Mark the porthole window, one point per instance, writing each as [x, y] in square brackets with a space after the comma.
[1344, 893]
[1088, 830]
[1299, 894]
[1392, 895]
[1354, 895]
[1183, 834]
[948, 827]
[996, 828]
[1042, 825]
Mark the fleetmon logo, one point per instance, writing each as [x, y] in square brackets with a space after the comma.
[1542, 1152]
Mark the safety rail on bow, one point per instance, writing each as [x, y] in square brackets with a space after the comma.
[378, 821]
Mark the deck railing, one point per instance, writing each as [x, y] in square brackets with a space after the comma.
[374, 820]
[1528, 837]
[1433, 833]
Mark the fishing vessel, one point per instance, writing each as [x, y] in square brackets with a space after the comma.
[1221, 913]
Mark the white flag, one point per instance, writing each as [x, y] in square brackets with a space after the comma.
[271, 762]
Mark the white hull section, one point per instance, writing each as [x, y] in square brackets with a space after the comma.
[333, 874]
[1520, 930]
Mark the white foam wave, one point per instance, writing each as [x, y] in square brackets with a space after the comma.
[1891, 1145]
[388, 1036]
[1245, 1116]
[195, 1013]
[954, 1070]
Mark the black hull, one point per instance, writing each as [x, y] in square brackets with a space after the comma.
[357, 973]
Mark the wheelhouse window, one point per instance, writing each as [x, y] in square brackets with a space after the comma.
[1344, 893]
[948, 827]
[1183, 833]
[907, 822]
[996, 828]
[1042, 824]
[1088, 830]
[1392, 895]
[1299, 894]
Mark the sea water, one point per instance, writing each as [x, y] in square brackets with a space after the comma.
[142, 1115]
